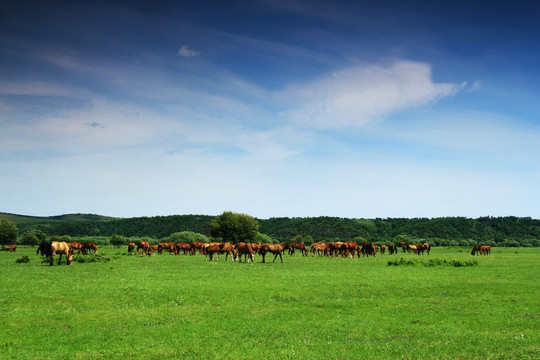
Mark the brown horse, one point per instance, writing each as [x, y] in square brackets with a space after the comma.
[299, 246]
[167, 246]
[319, 249]
[383, 248]
[61, 248]
[91, 247]
[196, 245]
[476, 250]
[144, 246]
[256, 247]
[275, 249]
[351, 248]
[392, 249]
[131, 248]
[77, 246]
[485, 249]
[211, 249]
[228, 249]
[423, 247]
[185, 247]
[368, 249]
[245, 249]
[403, 246]
[12, 248]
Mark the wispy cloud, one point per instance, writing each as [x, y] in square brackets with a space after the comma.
[360, 95]
[185, 51]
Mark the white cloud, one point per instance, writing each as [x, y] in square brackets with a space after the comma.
[360, 95]
[186, 52]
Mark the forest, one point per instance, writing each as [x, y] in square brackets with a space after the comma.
[498, 231]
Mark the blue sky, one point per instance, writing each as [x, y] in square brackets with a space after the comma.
[357, 109]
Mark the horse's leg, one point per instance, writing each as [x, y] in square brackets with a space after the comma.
[59, 258]
[281, 257]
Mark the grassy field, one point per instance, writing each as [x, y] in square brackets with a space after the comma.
[164, 307]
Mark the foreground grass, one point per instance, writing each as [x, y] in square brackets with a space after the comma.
[311, 308]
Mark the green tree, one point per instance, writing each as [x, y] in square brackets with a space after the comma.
[263, 238]
[186, 237]
[8, 232]
[234, 227]
[118, 240]
[29, 238]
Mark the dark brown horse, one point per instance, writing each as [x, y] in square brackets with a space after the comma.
[392, 249]
[91, 247]
[476, 250]
[424, 247]
[185, 247]
[299, 246]
[368, 249]
[275, 249]
[196, 245]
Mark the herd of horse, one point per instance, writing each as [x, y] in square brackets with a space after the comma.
[50, 249]
[235, 251]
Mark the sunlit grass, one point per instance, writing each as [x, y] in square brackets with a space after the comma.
[312, 308]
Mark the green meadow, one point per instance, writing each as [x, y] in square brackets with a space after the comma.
[161, 307]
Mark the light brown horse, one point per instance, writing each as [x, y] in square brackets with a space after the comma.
[12, 248]
[77, 246]
[131, 247]
[275, 249]
[423, 247]
[61, 248]
[319, 248]
[185, 247]
[485, 249]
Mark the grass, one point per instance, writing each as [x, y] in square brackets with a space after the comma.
[122, 306]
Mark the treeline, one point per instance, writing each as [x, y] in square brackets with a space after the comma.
[502, 231]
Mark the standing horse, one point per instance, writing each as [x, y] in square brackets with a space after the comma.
[144, 246]
[476, 250]
[57, 247]
[245, 249]
[275, 249]
[131, 247]
[12, 248]
[297, 245]
[77, 246]
[392, 249]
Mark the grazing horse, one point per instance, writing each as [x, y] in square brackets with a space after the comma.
[383, 248]
[403, 246]
[368, 249]
[319, 248]
[167, 246]
[476, 250]
[256, 247]
[485, 249]
[90, 247]
[196, 245]
[58, 247]
[392, 249]
[12, 248]
[228, 249]
[245, 249]
[153, 249]
[131, 247]
[185, 247]
[77, 246]
[351, 248]
[336, 247]
[297, 245]
[212, 249]
[275, 249]
[144, 246]
[413, 248]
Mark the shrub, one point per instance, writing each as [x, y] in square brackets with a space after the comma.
[23, 260]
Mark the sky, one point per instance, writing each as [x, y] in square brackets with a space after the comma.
[355, 109]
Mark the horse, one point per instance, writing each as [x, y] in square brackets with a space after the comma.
[212, 249]
[131, 248]
[350, 248]
[319, 249]
[77, 246]
[245, 249]
[476, 250]
[196, 245]
[368, 249]
[57, 247]
[275, 249]
[228, 249]
[383, 248]
[335, 247]
[168, 246]
[297, 245]
[413, 248]
[423, 247]
[403, 246]
[90, 247]
[12, 248]
[144, 246]
[185, 247]
[485, 250]
[256, 247]
[152, 249]
[392, 249]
